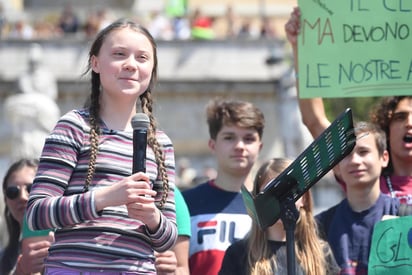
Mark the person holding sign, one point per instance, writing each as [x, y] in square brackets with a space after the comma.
[393, 114]
[348, 226]
[31, 239]
[17, 257]
[263, 252]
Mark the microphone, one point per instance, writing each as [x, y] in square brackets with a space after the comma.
[140, 123]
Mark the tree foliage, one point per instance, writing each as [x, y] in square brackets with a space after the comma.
[361, 106]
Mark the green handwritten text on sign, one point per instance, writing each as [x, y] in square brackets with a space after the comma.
[355, 48]
[391, 250]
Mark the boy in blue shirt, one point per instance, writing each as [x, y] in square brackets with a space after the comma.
[348, 226]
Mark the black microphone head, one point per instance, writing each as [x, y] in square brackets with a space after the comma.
[140, 121]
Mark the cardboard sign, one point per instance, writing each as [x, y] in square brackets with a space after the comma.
[355, 48]
[391, 250]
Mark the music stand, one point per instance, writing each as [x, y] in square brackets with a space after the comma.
[277, 199]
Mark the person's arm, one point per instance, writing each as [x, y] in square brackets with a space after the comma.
[181, 250]
[313, 115]
[312, 109]
[58, 162]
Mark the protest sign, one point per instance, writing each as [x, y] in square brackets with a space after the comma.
[391, 250]
[355, 48]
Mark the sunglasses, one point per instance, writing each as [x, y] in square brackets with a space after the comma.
[13, 192]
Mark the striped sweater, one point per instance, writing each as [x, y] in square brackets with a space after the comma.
[85, 239]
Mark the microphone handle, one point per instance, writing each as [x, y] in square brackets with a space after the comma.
[139, 150]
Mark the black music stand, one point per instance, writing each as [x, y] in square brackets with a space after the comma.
[277, 199]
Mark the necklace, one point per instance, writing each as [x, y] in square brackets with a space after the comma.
[390, 187]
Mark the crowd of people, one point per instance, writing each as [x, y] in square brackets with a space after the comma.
[65, 23]
[103, 218]
[165, 24]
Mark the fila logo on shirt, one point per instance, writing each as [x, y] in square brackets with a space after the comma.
[211, 228]
[218, 231]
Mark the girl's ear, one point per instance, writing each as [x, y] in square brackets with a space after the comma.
[94, 64]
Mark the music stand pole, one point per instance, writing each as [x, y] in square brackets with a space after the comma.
[289, 216]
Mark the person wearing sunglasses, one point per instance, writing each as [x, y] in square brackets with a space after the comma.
[16, 188]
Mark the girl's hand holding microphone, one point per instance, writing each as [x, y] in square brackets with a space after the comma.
[144, 208]
[136, 193]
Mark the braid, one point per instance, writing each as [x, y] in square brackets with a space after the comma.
[146, 103]
[94, 129]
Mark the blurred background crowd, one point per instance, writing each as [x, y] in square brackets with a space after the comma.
[167, 19]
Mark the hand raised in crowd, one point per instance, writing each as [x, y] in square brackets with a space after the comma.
[292, 27]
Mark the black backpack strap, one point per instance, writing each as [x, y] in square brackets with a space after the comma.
[405, 210]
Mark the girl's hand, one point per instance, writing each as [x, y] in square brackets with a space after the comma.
[145, 210]
[136, 193]
[126, 191]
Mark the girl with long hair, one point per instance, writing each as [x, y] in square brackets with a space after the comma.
[109, 220]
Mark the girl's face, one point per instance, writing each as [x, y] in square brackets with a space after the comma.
[17, 191]
[125, 63]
